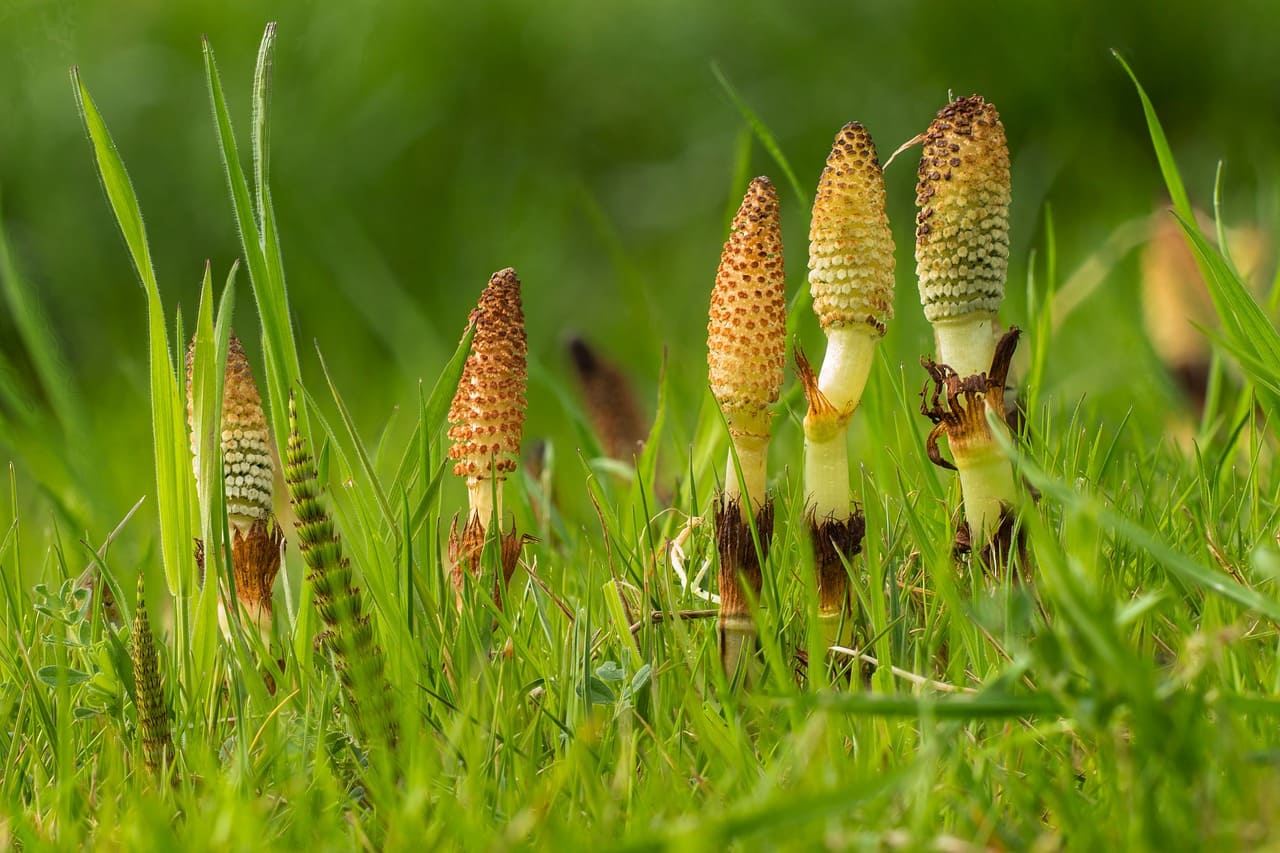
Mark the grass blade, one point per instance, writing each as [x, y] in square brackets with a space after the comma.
[40, 342]
[1168, 168]
[765, 136]
[1177, 564]
[261, 251]
[173, 480]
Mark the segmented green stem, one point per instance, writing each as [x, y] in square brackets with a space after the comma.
[349, 630]
[153, 715]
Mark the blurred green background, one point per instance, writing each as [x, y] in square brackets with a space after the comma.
[418, 147]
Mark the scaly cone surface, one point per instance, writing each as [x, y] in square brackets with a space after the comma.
[153, 714]
[962, 231]
[486, 422]
[248, 471]
[746, 336]
[746, 348]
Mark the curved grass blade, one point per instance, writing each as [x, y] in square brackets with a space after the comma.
[762, 133]
[1168, 168]
[173, 480]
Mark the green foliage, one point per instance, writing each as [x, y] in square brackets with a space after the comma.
[1247, 332]
[256, 221]
[1121, 695]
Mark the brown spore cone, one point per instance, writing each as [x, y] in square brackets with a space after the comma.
[487, 415]
[746, 328]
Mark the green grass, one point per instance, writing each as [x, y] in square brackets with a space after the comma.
[1126, 698]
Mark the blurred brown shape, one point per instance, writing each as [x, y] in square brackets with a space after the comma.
[610, 402]
[1175, 299]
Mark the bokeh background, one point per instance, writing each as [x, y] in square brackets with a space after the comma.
[419, 146]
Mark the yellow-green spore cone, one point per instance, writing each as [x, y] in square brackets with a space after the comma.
[962, 231]
[851, 263]
[746, 336]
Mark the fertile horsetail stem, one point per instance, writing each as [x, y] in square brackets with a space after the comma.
[486, 422]
[851, 268]
[746, 348]
[746, 337]
[962, 255]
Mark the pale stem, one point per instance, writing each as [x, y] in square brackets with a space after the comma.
[831, 627]
[847, 364]
[966, 344]
[737, 652]
[845, 368]
[826, 474]
[986, 486]
[753, 456]
[252, 615]
[480, 495]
